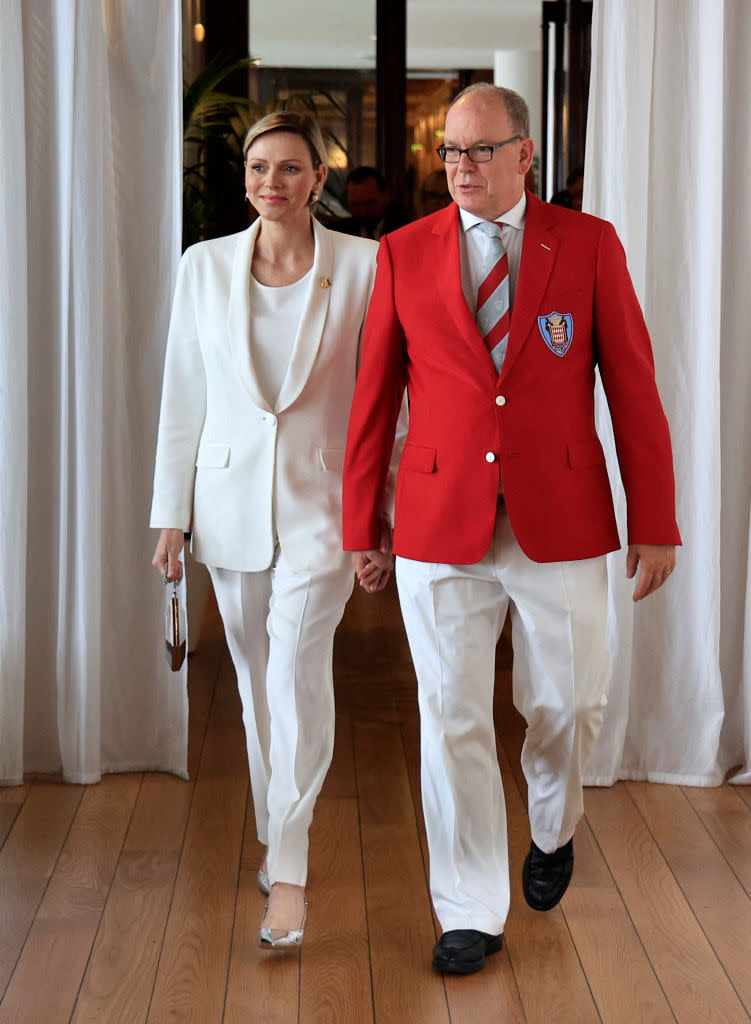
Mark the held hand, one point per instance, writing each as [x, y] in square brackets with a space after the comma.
[655, 563]
[374, 567]
[167, 554]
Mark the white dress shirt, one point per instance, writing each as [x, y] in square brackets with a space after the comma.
[473, 247]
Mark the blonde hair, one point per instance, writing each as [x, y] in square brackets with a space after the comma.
[296, 124]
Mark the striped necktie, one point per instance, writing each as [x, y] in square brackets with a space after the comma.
[493, 313]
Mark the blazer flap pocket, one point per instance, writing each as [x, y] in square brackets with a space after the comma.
[585, 453]
[418, 458]
[216, 455]
[332, 459]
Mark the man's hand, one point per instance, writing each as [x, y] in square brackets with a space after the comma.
[655, 563]
[374, 567]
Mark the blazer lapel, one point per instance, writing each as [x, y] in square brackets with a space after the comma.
[449, 280]
[310, 330]
[539, 251]
[239, 314]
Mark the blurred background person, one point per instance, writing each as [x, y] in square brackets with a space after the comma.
[368, 199]
[571, 195]
[434, 192]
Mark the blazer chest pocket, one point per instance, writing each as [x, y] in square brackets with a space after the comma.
[418, 458]
[215, 456]
[332, 459]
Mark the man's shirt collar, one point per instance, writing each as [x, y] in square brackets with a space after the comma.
[514, 217]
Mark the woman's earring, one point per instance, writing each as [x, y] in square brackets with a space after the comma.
[315, 196]
[247, 196]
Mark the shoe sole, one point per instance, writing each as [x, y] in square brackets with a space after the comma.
[279, 946]
[450, 966]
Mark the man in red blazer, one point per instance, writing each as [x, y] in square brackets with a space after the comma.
[503, 498]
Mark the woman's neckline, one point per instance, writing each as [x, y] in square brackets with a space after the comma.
[278, 287]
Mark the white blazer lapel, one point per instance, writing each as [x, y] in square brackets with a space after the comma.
[308, 339]
[238, 319]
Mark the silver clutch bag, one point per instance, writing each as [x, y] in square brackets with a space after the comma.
[175, 633]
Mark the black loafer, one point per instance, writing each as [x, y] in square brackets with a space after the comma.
[463, 951]
[545, 876]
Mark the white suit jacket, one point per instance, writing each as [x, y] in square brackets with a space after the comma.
[235, 471]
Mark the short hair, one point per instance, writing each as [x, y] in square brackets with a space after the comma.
[296, 124]
[516, 106]
[362, 174]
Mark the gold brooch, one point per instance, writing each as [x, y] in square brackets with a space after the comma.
[325, 282]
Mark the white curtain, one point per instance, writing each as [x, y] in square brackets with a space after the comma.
[90, 135]
[669, 163]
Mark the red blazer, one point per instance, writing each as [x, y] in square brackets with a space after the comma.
[534, 423]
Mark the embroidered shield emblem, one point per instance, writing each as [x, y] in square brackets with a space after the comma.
[557, 330]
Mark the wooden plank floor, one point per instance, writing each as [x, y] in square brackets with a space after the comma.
[135, 900]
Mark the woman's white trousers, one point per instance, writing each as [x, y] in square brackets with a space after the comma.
[280, 631]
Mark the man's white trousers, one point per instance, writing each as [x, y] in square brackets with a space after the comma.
[453, 616]
[280, 632]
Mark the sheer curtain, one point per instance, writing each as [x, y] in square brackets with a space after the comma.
[90, 238]
[669, 162]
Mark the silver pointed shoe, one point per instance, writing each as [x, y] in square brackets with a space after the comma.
[274, 938]
[263, 881]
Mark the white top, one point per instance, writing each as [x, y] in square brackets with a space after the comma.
[473, 247]
[275, 319]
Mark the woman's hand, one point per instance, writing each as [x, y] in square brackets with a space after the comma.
[167, 554]
[373, 568]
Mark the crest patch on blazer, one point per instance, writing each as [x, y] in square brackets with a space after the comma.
[557, 330]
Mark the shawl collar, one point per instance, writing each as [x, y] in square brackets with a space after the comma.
[310, 329]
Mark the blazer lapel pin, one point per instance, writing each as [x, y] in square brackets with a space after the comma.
[325, 282]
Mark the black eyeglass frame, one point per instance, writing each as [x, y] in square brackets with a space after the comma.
[441, 150]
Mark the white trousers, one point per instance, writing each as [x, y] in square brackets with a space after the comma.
[453, 615]
[280, 632]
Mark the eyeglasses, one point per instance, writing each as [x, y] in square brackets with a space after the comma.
[477, 154]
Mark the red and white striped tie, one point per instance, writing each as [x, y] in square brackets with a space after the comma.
[493, 312]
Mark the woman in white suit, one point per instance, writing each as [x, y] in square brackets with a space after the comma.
[260, 370]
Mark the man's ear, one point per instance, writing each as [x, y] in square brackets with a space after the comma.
[526, 152]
